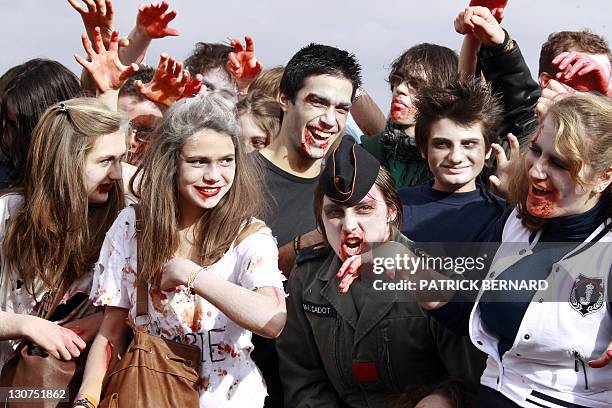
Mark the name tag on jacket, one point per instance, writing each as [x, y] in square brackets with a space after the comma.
[320, 310]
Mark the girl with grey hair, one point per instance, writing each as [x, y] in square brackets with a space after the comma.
[211, 265]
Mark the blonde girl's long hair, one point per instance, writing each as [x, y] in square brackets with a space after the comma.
[583, 137]
[155, 183]
[56, 235]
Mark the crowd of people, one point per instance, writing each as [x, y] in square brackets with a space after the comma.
[248, 201]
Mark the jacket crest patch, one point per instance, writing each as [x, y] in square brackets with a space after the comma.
[587, 295]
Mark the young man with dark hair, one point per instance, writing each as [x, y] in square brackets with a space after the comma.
[316, 92]
[456, 126]
[395, 148]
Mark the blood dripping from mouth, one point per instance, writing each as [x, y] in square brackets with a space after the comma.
[541, 207]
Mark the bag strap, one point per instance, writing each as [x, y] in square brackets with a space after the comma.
[142, 305]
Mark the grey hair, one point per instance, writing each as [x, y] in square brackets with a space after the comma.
[204, 111]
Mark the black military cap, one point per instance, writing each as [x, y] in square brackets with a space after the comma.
[350, 172]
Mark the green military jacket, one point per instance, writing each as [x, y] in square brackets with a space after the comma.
[332, 356]
[405, 174]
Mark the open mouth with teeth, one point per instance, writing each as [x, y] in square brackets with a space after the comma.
[207, 192]
[315, 136]
[351, 246]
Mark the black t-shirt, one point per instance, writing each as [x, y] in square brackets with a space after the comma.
[289, 199]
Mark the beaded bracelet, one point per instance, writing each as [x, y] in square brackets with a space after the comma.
[191, 280]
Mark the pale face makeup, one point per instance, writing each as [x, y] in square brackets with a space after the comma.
[206, 171]
[553, 192]
[218, 81]
[456, 155]
[402, 110]
[319, 114]
[103, 166]
[349, 230]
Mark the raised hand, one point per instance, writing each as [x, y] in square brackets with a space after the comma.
[193, 87]
[497, 7]
[582, 72]
[99, 13]
[553, 92]
[169, 82]
[242, 63]
[104, 66]
[504, 165]
[479, 22]
[153, 20]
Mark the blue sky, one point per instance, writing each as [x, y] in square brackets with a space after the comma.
[376, 31]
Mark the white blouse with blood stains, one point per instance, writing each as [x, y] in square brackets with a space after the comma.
[228, 376]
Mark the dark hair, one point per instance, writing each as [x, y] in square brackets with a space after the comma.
[386, 184]
[26, 91]
[317, 59]
[432, 63]
[465, 102]
[584, 41]
[145, 74]
[207, 56]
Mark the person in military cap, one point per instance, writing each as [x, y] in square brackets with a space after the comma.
[361, 348]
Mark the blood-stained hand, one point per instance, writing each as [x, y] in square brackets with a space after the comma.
[100, 14]
[604, 360]
[193, 87]
[497, 7]
[104, 66]
[583, 72]
[153, 20]
[242, 63]
[169, 82]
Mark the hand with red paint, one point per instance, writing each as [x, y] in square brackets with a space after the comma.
[583, 73]
[99, 13]
[193, 87]
[168, 84]
[501, 181]
[479, 22]
[604, 359]
[496, 7]
[353, 266]
[242, 63]
[153, 20]
[104, 66]
[56, 340]
[553, 92]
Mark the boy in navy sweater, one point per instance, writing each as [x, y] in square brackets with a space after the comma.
[455, 129]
